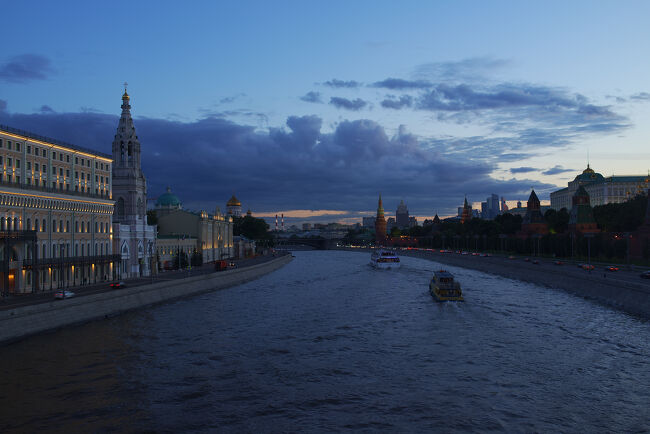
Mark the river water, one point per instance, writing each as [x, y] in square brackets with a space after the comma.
[329, 344]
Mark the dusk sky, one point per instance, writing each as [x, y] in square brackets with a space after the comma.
[321, 106]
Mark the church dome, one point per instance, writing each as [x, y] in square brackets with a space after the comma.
[233, 201]
[589, 175]
[168, 200]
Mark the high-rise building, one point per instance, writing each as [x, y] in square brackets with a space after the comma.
[133, 238]
[380, 224]
[402, 216]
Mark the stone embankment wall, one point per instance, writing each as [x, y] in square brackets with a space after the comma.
[633, 298]
[23, 321]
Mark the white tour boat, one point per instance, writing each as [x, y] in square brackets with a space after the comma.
[383, 258]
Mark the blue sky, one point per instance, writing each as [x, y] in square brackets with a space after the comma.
[321, 106]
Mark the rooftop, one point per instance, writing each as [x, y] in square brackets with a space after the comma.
[50, 141]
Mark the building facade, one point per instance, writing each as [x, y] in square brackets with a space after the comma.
[55, 214]
[601, 190]
[402, 215]
[133, 238]
[210, 235]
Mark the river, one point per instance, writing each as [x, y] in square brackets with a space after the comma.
[329, 344]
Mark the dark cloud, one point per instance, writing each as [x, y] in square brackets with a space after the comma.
[312, 96]
[24, 68]
[48, 109]
[641, 96]
[342, 83]
[355, 105]
[556, 170]
[403, 101]
[400, 84]
[523, 170]
[294, 167]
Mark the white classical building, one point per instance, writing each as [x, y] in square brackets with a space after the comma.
[602, 190]
[133, 238]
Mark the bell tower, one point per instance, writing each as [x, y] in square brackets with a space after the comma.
[129, 184]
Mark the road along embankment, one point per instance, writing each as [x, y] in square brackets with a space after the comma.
[628, 296]
[24, 321]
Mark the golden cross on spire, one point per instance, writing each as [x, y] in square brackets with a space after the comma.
[125, 85]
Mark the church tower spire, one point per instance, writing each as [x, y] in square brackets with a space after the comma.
[129, 184]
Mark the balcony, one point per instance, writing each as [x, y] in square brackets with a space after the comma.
[35, 188]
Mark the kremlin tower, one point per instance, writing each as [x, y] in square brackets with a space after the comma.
[380, 224]
[467, 212]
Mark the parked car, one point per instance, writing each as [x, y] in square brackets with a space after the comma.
[63, 294]
[527, 259]
[587, 267]
[645, 275]
[535, 261]
[511, 257]
[220, 265]
[611, 268]
[117, 285]
[558, 263]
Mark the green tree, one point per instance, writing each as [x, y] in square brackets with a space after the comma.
[253, 229]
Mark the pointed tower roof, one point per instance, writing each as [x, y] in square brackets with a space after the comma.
[465, 205]
[380, 207]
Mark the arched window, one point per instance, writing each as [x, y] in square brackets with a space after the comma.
[2, 224]
[54, 250]
[82, 227]
[36, 226]
[67, 225]
[96, 250]
[76, 227]
[44, 225]
[16, 227]
[119, 208]
[44, 250]
[101, 249]
[60, 225]
[29, 224]
[82, 249]
[96, 226]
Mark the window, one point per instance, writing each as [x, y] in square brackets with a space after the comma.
[53, 155]
[76, 174]
[96, 177]
[29, 165]
[82, 226]
[44, 152]
[67, 158]
[60, 225]
[76, 160]
[8, 144]
[67, 225]
[8, 162]
[60, 171]
[96, 165]
[67, 173]
[17, 146]
[36, 226]
[76, 226]
[36, 166]
[29, 149]
[60, 156]
[29, 180]
[53, 170]
[17, 163]
[17, 179]
[36, 151]
[29, 224]
[0, 159]
[96, 226]
[88, 176]
[0, 143]
[102, 179]
[44, 225]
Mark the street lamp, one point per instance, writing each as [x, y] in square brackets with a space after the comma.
[589, 237]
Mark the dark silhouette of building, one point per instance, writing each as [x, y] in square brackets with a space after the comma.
[467, 212]
[402, 215]
[533, 222]
[380, 224]
[581, 217]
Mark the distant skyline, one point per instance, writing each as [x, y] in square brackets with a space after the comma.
[322, 106]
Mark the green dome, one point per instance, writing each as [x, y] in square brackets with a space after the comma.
[168, 200]
[588, 175]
